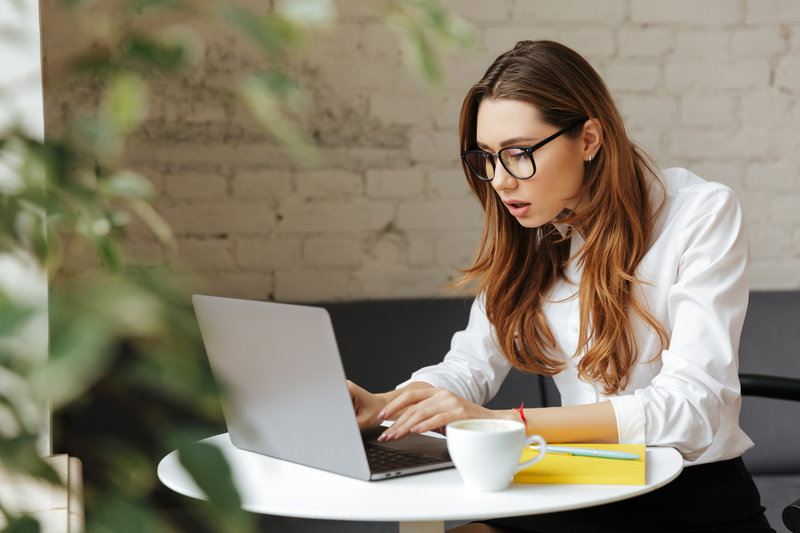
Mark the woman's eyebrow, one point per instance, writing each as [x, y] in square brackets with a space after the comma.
[524, 141]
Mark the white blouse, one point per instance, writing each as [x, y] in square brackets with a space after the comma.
[695, 282]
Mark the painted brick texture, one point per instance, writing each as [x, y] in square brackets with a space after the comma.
[383, 210]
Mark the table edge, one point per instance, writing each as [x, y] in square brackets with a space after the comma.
[366, 517]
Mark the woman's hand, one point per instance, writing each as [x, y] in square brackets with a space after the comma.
[366, 405]
[429, 409]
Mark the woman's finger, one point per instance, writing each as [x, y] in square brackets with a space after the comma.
[434, 423]
[406, 399]
[440, 407]
[402, 426]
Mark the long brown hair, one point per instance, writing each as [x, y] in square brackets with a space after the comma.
[516, 267]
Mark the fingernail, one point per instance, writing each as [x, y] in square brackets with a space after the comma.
[415, 429]
[381, 415]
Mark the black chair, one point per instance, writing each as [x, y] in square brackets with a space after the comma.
[778, 388]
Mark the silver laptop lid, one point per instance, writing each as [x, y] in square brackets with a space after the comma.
[284, 387]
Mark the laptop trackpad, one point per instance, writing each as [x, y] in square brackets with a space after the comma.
[422, 444]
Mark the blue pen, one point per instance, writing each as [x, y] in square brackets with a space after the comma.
[589, 452]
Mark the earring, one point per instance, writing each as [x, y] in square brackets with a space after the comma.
[590, 158]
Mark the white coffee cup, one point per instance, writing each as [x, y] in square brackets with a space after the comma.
[486, 452]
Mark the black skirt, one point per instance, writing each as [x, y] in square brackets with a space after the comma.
[715, 497]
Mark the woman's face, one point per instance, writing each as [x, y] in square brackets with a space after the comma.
[559, 163]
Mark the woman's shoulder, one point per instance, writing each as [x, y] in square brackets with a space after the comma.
[682, 182]
[684, 199]
[686, 191]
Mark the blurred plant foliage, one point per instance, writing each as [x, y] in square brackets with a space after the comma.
[124, 333]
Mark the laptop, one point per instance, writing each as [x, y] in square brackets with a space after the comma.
[285, 394]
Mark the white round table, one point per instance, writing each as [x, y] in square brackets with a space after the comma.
[420, 503]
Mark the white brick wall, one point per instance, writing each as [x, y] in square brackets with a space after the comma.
[712, 85]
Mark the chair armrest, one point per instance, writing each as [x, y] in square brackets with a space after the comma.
[791, 516]
[770, 386]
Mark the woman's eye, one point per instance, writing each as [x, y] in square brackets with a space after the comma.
[515, 156]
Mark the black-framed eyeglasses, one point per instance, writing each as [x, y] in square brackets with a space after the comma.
[517, 160]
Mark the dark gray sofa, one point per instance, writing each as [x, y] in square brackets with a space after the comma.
[382, 342]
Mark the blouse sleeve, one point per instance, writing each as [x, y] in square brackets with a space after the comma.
[474, 368]
[689, 399]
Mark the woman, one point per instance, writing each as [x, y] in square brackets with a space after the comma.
[626, 284]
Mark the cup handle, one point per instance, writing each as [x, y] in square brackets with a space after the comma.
[542, 451]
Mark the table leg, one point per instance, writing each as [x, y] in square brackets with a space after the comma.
[422, 527]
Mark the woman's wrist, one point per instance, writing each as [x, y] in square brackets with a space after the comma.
[509, 414]
[518, 414]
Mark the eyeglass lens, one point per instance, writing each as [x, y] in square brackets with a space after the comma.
[518, 162]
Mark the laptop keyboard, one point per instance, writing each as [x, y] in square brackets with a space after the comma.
[383, 459]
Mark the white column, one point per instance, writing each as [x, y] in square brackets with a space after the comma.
[22, 107]
[21, 100]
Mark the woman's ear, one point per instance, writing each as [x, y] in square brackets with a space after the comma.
[591, 138]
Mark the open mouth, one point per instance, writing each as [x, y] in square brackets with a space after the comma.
[518, 209]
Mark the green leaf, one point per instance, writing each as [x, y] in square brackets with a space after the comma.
[447, 28]
[308, 12]
[279, 84]
[76, 4]
[80, 351]
[149, 6]
[98, 135]
[273, 34]
[127, 184]
[259, 93]
[422, 25]
[110, 253]
[13, 316]
[210, 470]
[125, 104]
[20, 455]
[154, 221]
[142, 52]
[24, 524]
[423, 55]
[131, 469]
[10, 400]
[117, 514]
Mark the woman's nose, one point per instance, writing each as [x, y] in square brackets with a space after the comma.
[503, 180]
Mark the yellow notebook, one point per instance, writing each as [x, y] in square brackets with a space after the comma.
[566, 468]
